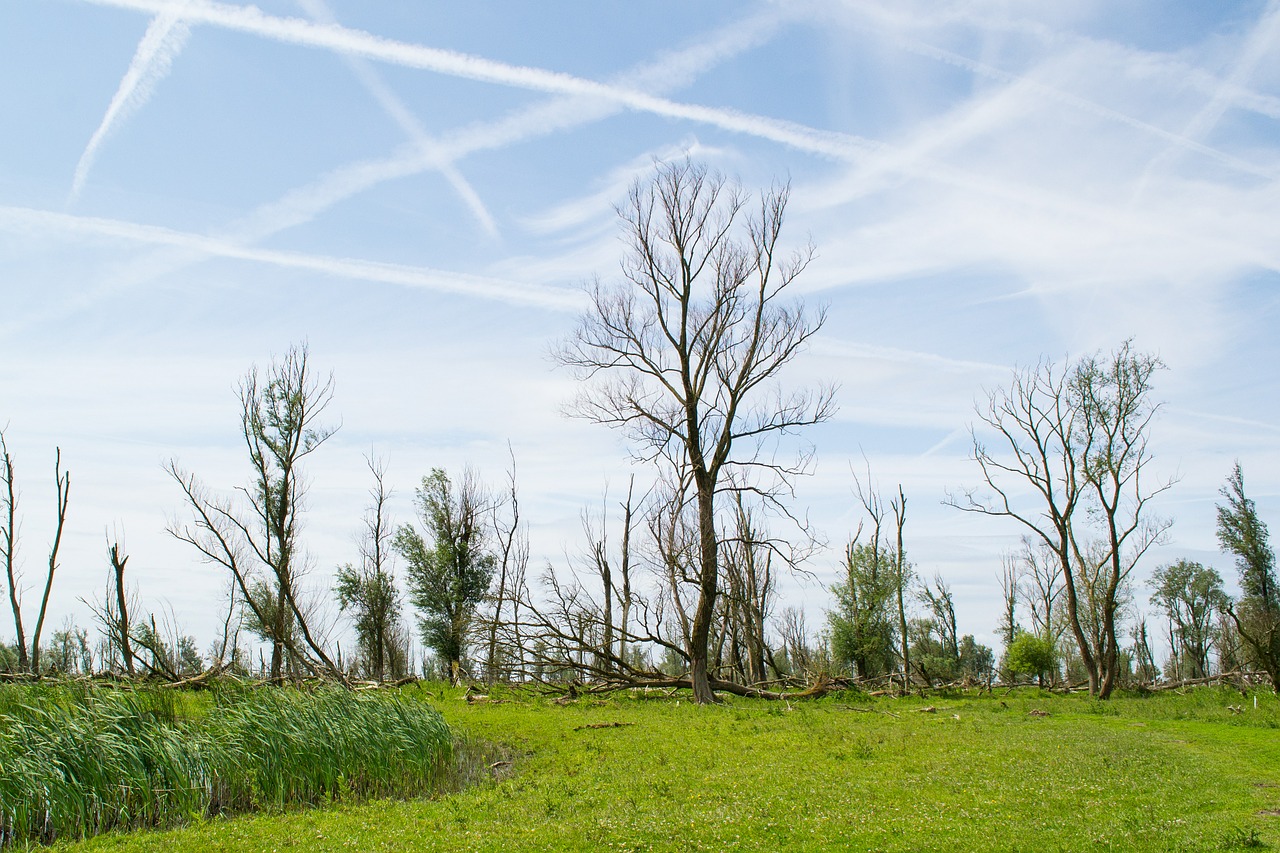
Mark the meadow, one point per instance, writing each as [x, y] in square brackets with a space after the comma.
[1023, 770]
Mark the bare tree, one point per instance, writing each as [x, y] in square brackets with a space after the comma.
[280, 412]
[749, 593]
[686, 351]
[511, 546]
[118, 562]
[9, 543]
[1077, 435]
[63, 481]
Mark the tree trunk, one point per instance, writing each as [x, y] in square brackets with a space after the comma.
[122, 609]
[708, 577]
[10, 544]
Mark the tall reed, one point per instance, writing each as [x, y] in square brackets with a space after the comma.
[75, 763]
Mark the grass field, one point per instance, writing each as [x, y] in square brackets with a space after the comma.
[1166, 772]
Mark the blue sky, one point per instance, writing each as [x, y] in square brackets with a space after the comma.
[420, 190]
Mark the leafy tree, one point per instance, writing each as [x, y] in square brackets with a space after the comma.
[977, 661]
[862, 627]
[931, 655]
[368, 590]
[1191, 596]
[450, 571]
[1030, 655]
[684, 353]
[1257, 615]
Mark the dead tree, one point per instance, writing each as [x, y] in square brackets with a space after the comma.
[685, 351]
[122, 606]
[9, 542]
[511, 546]
[63, 481]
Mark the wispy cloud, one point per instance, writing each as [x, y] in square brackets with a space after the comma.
[27, 220]
[161, 43]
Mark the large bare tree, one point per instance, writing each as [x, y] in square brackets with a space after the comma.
[1076, 436]
[683, 356]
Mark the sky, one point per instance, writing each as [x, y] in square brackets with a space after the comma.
[420, 192]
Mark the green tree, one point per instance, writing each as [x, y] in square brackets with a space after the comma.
[1191, 596]
[977, 661]
[1257, 614]
[449, 572]
[862, 624]
[367, 590]
[1030, 655]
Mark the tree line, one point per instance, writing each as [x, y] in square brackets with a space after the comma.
[675, 584]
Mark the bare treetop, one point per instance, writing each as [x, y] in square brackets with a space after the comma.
[683, 356]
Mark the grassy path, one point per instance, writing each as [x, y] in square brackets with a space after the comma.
[844, 773]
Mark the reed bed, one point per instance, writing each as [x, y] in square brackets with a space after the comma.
[78, 762]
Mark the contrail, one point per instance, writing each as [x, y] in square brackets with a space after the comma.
[163, 40]
[565, 113]
[29, 220]
[412, 128]
[837, 146]
[304, 203]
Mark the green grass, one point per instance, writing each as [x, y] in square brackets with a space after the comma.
[76, 761]
[1166, 772]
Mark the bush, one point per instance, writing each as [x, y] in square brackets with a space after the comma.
[1030, 655]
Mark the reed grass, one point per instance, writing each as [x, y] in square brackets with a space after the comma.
[76, 762]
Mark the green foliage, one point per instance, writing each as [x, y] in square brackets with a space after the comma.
[449, 575]
[862, 625]
[1030, 655]
[1191, 597]
[74, 763]
[1257, 615]
[977, 661]
[1245, 536]
[372, 599]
